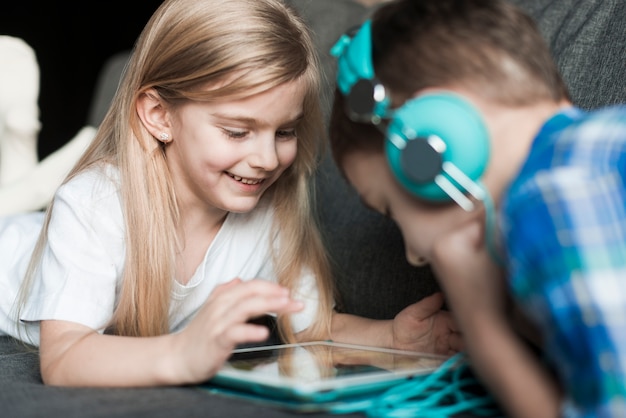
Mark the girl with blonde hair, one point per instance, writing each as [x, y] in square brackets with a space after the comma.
[190, 213]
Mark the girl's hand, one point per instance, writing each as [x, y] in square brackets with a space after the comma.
[221, 324]
[424, 327]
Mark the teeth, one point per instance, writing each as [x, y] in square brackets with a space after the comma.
[246, 181]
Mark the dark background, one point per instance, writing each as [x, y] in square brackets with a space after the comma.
[72, 40]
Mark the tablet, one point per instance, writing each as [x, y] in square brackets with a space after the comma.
[318, 375]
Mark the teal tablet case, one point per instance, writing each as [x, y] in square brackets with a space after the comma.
[352, 385]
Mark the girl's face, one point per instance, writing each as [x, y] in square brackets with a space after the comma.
[224, 155]
[421, 223]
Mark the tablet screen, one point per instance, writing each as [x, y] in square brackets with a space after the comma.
[323, 360]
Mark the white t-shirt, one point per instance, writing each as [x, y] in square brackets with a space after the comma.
[82, 264]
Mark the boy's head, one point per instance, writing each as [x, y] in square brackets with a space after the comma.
[489, 49]
[421, 62]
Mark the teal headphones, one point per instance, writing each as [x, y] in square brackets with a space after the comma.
[437, 144]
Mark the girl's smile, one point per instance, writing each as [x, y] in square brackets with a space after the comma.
[251, 182]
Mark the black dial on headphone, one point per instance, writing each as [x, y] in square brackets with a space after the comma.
[420, 161]
[363, 99]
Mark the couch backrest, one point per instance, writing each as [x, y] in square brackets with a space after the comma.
[588, 42]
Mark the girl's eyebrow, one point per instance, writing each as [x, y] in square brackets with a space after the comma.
[253, 121]
[298, 118]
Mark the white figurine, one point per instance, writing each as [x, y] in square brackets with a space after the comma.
[27, 184]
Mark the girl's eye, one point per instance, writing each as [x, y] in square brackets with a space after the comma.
[235, 134]
[290, 133]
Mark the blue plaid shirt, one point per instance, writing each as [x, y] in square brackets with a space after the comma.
[564, 230]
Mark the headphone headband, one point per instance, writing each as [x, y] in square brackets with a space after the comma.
[366, 97]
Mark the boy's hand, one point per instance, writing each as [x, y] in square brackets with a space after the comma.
[473, 284]
[424, 327]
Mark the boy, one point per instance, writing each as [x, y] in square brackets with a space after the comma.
[444, 106]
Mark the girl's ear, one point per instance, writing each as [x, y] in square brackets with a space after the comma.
[154, 115]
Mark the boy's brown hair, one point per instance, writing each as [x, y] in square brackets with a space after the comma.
[490, 47]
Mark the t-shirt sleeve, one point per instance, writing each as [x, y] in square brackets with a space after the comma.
[83, 256]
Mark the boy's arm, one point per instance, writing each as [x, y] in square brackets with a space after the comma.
[475, 291]
[510, 369]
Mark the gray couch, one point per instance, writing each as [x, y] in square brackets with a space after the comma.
[588, 38]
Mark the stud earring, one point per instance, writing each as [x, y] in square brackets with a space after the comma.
[164, 137]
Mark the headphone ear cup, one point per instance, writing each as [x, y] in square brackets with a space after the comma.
[458, 136]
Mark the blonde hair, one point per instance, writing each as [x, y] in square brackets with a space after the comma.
[206, 50]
